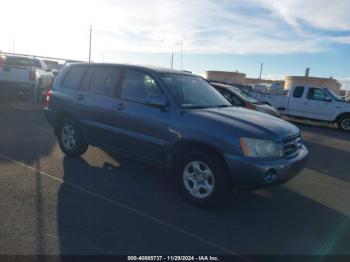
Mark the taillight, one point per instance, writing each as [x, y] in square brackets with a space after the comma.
[48, 96]
[31, 75]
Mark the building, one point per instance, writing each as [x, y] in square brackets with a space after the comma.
[224, 76]
[238, 78]
[273, 85]
[257, 81]
[321, 82]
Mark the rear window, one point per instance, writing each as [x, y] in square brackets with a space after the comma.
[74, 77]
[19, 61]
[298, 92]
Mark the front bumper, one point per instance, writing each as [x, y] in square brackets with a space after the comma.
[252, 173]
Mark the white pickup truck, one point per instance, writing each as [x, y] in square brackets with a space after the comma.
[319, 104]
[18, 73]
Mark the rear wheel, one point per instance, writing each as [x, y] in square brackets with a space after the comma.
[70, 139]
[203, 178]
[344, 122]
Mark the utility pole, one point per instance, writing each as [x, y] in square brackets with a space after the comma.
[13, 44]
[172, 60]
[261, 68]
[181, 54]
[90, 43]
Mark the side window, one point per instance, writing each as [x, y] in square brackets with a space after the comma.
[38, 64]
[316, 94]
[137, 86]
[101, 80]
[227, 95]
[298, 91]
[236, 101]
[74, 77]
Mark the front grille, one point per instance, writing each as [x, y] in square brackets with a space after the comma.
[291, 146]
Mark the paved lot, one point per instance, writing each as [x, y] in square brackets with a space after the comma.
[107, 204]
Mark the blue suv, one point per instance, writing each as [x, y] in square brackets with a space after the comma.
[174, 119]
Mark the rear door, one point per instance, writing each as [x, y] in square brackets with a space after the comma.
[144, 128]
[96, 104]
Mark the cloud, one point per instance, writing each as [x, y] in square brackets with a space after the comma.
[323, 14]
[204, 26]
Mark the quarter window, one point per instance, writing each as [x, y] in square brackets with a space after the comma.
[137, 86]
[298, 91]
[74, 77]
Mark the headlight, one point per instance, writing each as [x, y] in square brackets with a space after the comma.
[252, 147]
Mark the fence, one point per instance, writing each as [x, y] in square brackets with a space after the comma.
[11, 83]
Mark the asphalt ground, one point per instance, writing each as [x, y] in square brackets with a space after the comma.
[104, 203]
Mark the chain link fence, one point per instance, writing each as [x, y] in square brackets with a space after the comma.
[25, 79]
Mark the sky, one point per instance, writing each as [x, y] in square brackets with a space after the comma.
[287, 36]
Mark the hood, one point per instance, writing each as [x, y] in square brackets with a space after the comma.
[269, 109]
[245, 122]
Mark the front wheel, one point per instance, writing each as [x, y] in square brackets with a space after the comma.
[70, 139]
[344, 123]
[203, 178]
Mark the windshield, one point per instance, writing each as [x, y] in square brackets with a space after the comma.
[193, 92]
[332, 94]
[248, 98]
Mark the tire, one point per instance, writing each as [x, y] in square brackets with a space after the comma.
[70, 139]
[344, 122]
[211, 166]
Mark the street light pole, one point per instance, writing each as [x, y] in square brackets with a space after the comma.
[13, 44]
[172, 60]
[181, 54]
[261, 68]
[90, 43]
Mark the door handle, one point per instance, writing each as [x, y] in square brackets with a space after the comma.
[80, 97]
[119, 106]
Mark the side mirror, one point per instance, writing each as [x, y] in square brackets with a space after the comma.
[158, 101]
[327, 99]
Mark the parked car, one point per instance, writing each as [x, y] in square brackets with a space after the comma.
[18, 73]
[54, 66]
[307, 102]
[174, 119]
[239, 98]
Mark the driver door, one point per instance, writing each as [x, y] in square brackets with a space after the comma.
[319, 104]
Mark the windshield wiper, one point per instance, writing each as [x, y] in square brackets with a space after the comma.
[194, 107]
[223, 106]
